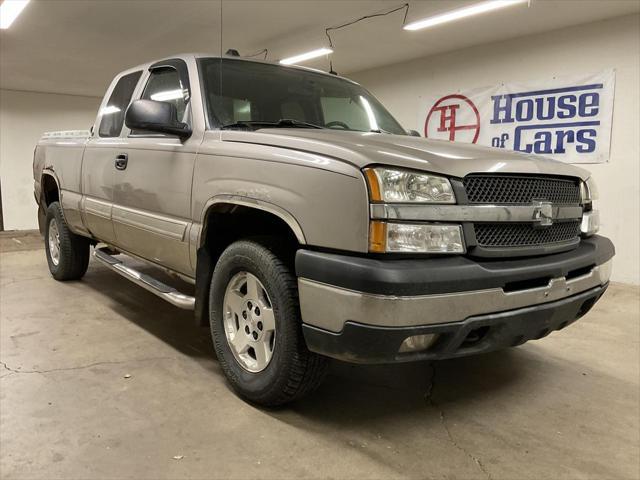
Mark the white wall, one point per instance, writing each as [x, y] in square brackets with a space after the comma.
[24, 116]
[583, 49]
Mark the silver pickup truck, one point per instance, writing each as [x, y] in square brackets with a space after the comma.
[312, 225]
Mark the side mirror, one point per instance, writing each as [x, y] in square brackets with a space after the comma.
[154, 116]
[413, 133]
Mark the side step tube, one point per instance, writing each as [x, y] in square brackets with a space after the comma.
[147, 282]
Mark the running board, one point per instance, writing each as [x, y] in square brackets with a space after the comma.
[170, 294]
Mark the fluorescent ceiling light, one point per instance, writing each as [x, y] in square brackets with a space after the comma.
[9, 11]
[109, 110]
[373, 124]
[167, 95]
[461, 13]
[306, 56]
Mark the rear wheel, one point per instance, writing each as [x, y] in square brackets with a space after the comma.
[67, 253]
[256, 326]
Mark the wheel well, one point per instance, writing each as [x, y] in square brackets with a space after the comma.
[50, 191]
[226, 223]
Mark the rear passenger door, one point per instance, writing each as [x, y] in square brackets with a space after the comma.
[152, 198]
[101, 152]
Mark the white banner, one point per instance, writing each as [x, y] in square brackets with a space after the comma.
[567, 119]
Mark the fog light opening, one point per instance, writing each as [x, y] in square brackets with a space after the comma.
[586, 306]
[417, 343]
[474, 336]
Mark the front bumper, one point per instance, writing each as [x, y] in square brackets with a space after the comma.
[363, 309]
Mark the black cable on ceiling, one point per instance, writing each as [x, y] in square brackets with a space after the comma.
[366, 17]
[264, 51]
[404, 7]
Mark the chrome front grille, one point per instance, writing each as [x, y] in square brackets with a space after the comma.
[514, 189]
[504, 235]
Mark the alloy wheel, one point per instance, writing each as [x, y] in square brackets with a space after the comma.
[249, 322]
[54, 242]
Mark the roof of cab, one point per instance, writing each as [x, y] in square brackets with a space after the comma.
[188, 56]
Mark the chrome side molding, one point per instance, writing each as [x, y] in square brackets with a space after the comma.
[170, 294]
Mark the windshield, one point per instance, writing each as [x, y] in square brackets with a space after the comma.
[260, 93]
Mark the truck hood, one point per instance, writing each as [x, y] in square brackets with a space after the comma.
[364, 148]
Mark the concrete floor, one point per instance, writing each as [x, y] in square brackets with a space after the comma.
[563, 407]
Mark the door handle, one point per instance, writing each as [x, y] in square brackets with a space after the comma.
[121, 161]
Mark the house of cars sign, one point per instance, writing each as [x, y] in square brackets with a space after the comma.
[566, 118]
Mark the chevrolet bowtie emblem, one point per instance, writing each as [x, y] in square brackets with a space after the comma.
[542, 213]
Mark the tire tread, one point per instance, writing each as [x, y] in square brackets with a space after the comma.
[74, 249]
[306, 369]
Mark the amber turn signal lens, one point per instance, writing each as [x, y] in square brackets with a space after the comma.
[374, 186]
[377, 237]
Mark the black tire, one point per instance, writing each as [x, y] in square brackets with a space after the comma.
[73, 256]
[293, 370]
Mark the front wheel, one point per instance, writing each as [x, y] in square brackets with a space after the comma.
[256, 326]
[67, 253]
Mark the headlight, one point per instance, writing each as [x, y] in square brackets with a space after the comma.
[415, 238]
[588, 191]
[590, 217]
[590, 223]
[403, 186]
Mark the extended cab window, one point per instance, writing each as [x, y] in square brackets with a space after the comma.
[113, 114]
[164, 86]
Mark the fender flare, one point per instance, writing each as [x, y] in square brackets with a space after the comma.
[204, 262]
[42, 204]
[50, 173]
[268, 207]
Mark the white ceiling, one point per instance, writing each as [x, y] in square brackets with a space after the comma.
[76, 46]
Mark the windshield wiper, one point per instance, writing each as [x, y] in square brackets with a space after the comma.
[282, 123]
[288, 122]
